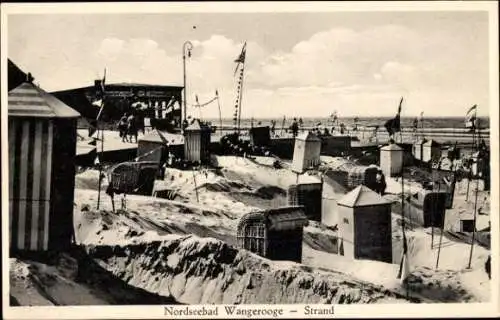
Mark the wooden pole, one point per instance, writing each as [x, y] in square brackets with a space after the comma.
[470, 171]
[220, 112]
[282, 125]
[440, 236]
[240, 95]
[475, 216]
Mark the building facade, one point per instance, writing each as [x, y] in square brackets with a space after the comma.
[364, 224]
[306, 152]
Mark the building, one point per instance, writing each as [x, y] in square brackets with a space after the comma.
[161, 102]
[308, 195]
[335, 145]
[42, 147]
[306, 152]
[418, 148]
[431, 151]
[364, 224]
[427, 208]
[444, 181]
[260, 136]
[275, 234]
[197, 142]
[362, 175]
[156, 145]
[15, 75]
[391, 160]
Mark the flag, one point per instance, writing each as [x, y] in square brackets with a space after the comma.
[197, 101]
[103, 82]
[394, 125]
[241, 57]
[216, 93]
[470, 117]
[96, 161]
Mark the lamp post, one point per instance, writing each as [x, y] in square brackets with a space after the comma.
[186, 50]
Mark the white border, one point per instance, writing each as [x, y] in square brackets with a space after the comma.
[348, 311]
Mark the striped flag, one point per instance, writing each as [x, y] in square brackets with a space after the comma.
[470, 117]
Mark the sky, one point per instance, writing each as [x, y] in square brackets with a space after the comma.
[305, 64]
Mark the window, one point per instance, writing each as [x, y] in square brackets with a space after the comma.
[346, 221]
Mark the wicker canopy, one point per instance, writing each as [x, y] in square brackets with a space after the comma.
[284, 218]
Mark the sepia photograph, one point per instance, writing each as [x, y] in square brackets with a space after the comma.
[250, 160]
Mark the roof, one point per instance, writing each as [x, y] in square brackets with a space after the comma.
[28, 100]
[391, 147]
[132, 84]
[77, 100]
[432, 143]
[362, 196]
[307, 136]
[283, 218]
[421, 141]
[163, 137]
[197, 126]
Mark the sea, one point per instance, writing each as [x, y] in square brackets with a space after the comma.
[406, 122]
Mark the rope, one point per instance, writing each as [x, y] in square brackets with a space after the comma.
[199, 105]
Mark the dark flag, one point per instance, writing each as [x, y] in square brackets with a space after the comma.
[471, 118]
[394, 125]
[241, 57]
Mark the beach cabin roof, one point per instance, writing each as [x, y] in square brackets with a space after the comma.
[421, 141]
[432, 143]
[284, 218]
[391, 147]
[28, 100]
[308, 136]
[197, 126]
[362, 196]
[163, 137]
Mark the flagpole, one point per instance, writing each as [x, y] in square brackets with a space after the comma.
[189, 46]
[102, 138]
[242, 76]
[475, 207]
[220, 112]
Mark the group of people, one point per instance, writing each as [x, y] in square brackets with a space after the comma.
[128, 127]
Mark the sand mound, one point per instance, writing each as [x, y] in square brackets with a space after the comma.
[197, 271]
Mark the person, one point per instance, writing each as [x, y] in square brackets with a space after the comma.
[382, 185]
[295, 127]
[301, 123]
[132, 127]
[122, 127]
[273, 126]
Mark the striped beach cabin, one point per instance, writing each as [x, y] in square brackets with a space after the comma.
[42, 146]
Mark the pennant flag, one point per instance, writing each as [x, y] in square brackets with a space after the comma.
[470, 117]
[96, 161]
[241, 57]
[341, 248]
[93, 142]
[103, 82]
